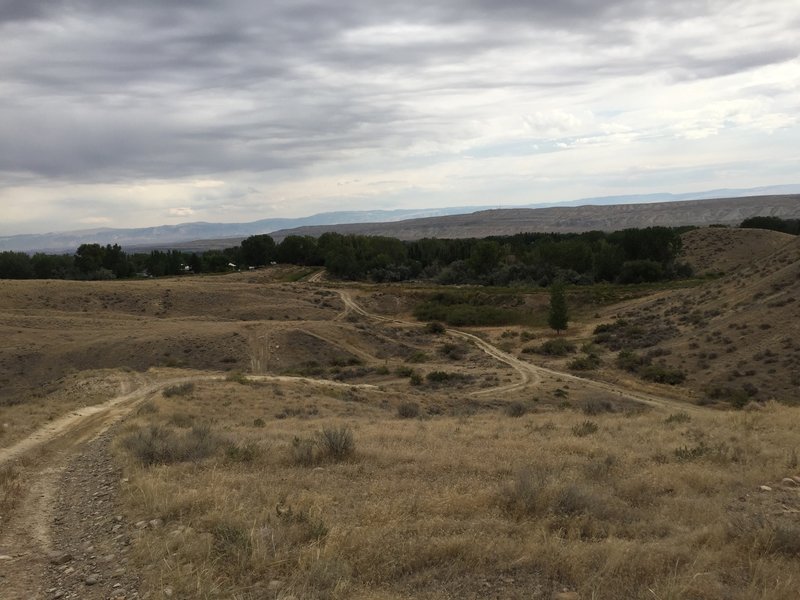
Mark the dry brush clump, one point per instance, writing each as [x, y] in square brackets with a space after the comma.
[159, 445]
[329, 443]
[446, 506]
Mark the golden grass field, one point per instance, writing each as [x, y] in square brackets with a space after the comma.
[652, 504]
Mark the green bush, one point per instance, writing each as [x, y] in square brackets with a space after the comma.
[630, 361]
[436, 377]
[643, 366]
[556, 347]
[662, 374]
[584, 363]
[404, 371]
[435, 327]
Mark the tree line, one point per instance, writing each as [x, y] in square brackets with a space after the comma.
[627, 256]
[791, 226]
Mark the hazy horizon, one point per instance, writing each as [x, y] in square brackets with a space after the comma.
[143, 114]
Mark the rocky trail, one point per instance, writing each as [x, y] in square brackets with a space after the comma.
[66, 540]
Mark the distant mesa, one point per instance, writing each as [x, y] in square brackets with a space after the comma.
[606, 214]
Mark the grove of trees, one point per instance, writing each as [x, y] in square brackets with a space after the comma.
[791, 226]
[628, 256]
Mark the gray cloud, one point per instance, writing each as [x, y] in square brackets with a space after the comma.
[102, 91]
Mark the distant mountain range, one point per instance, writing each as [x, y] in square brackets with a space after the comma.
[201, 236]
[568, 219]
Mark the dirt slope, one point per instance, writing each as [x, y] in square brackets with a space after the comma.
[713, 250]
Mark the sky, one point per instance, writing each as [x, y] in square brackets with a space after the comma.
[147, 112]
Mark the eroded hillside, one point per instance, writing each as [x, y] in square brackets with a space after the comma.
[737, 338]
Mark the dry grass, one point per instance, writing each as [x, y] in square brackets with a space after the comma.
[471, 507]
[11, 490]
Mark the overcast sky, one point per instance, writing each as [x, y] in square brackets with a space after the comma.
[148, 112]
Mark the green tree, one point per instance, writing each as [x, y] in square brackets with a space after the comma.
[558, 315]
[258, 250]
[15, 265]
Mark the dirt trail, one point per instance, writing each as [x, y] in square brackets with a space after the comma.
[531, 374]
[26, 538]
[47, 459]
[316, 277]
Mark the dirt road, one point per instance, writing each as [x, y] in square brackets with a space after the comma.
[530, 374]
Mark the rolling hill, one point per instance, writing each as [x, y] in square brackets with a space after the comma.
[738, 337]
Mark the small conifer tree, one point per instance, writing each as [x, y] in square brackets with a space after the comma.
[558, 315]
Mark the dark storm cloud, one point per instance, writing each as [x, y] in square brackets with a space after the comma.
[100, 90]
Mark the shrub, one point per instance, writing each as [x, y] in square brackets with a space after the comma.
[572, 500]
[584, 363]
[231, 541]
[678, 417]
[404, 371]
[246, 452]
[584, 429]
[156, 445]
[435, 327]
[258, 422]
[418, 357]
[526, 495]
[438, 376]
[556, 347]
[596, 407]
[662, 374]
[644, 368]
[686, 453]
[630, 361]
[516, 409]
[183, 389]
[237, 377]
[408, 410]
[453, 351]
[336, 443]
